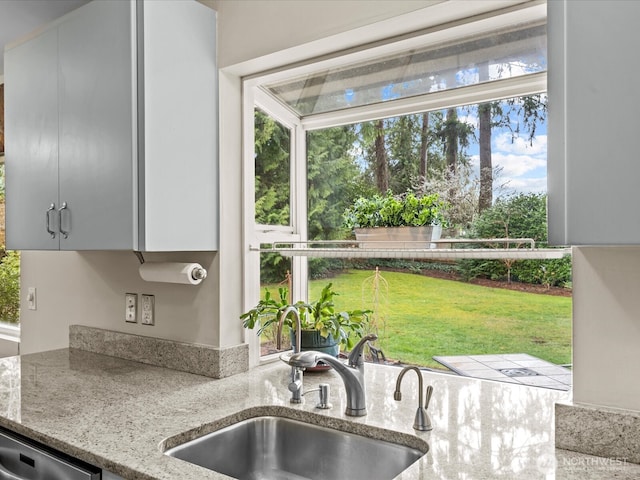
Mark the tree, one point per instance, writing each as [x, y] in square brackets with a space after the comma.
[485, 198]
[459, 191]
[272, 170]
[333, 179]
[381, 163]
[451, 139]
[518, 114]
[404, 142]
[424, 146]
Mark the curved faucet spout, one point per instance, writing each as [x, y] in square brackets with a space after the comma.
[295, 386]
[421, 421]
[352, 373]
[397, 395]
[296, 315]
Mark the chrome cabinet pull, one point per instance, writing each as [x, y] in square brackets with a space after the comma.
[65, 234]
[51, 208]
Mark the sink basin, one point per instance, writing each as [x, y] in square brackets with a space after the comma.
[278, 448]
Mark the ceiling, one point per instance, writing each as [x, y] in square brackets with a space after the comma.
[20, 17]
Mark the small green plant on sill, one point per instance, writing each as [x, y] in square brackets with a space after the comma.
[395, 211]
[346, 327]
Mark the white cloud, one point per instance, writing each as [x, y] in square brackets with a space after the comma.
[507, 70]
[512, 164]
[504, 142]
[518, 173]
[518, 165]
[524, 185]
[470, 118]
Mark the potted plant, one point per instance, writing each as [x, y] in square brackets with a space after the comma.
[389, 219]
[323, 328]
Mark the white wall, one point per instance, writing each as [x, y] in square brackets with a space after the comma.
[606, 326]
[9, 347]
[256, 35]
[88, 289]
[250, 29]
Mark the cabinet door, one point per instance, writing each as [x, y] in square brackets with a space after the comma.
[31, 132]
[180, 158]
[593, 167]
[96, 127]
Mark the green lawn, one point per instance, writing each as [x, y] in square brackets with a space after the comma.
[421, 317]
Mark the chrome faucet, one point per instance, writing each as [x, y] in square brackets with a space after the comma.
[295, 385]
[352, 373]
[422, 422]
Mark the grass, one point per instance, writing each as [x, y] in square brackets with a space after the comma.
[420, 317]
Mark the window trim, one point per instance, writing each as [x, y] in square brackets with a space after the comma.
[10, 332]
[480, 93]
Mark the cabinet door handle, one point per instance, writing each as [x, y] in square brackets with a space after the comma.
[65, 234]
[51, 208]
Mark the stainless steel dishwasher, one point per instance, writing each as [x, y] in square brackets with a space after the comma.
[22, 459]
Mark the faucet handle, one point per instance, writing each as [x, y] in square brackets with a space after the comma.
[355, 357]
[428, 396]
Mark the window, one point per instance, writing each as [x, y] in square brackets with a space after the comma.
[510, 53]
[416, 100]
[272, 171]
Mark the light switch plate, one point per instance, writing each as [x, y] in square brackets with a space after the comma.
[148, 310]
[31, 298]
[131, 307]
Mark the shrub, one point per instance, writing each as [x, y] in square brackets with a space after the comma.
[10, 287]
[520, 216]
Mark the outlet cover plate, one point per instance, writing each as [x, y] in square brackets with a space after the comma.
[148, 310]
[131, 307]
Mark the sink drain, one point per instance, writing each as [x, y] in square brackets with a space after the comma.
[518, 372]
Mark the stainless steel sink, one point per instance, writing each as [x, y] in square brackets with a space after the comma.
[277, 448]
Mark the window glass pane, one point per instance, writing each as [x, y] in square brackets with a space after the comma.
[510, 53]
[488, 162]
[275, 273]
[272, 171]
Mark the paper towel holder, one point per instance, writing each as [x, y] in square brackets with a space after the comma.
[196, 273]
[199, 273]
[139, 256]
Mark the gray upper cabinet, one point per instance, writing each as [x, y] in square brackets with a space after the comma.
[593, 166]
[31, 143]
[111, 130]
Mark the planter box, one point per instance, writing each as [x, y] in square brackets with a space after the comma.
[393, 237]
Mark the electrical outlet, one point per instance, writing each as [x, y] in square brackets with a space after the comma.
[148, 307]
[131, 307]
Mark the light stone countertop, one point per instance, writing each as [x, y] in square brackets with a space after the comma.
[118, 414]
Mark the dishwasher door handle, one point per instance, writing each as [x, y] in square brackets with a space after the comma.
[7, 475]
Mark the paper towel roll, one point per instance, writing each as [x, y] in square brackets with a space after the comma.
[185, 273]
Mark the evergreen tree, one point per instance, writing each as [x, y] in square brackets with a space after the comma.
[272, 170]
